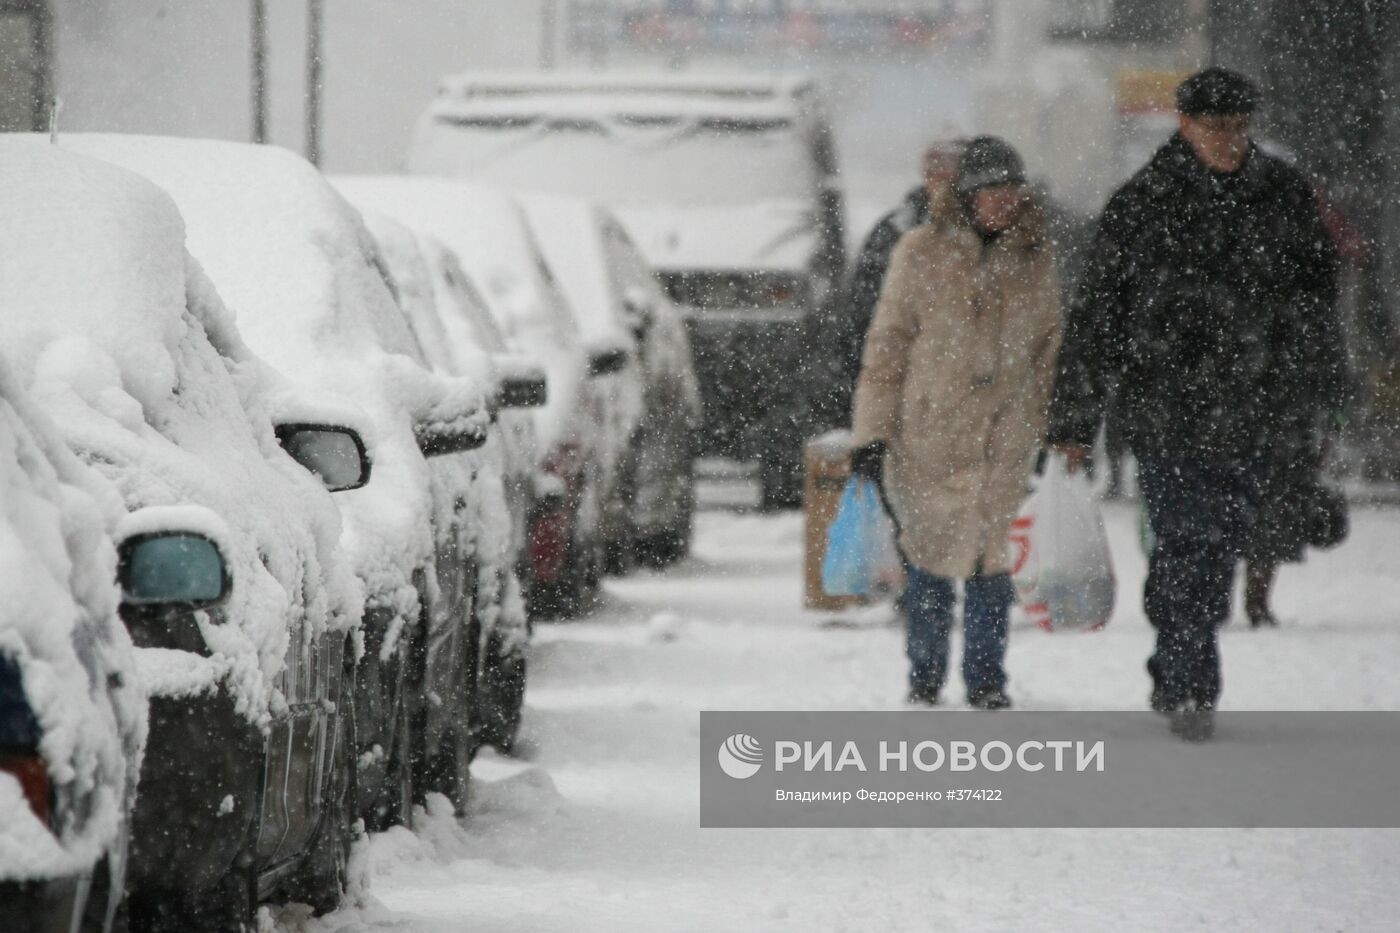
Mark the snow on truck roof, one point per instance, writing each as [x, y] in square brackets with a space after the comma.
[740, 86]
[640, 99]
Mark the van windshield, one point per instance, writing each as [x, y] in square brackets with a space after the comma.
[628, 158]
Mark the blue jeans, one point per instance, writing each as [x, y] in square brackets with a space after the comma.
[928, 613]
[1201, 515]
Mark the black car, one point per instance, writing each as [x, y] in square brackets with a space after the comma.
[249, 762]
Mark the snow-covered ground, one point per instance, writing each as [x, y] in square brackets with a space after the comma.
[597, 828]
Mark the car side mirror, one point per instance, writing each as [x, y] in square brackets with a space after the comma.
[335, 455]
[526, 390]
[437, 438]
[172, 570]
[640, 311]
[606, 362]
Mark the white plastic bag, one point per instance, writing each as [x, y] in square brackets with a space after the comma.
[1061, 565]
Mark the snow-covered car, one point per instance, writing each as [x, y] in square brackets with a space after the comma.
[488, 232]
[419, 287]
[521, 383]
[72, 715]
[656, 411]
[120, 338]
[296, 264]
[727, 183]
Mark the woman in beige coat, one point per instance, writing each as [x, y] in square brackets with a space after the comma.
[950, 409]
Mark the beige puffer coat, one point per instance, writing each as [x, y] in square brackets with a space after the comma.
[956, 377]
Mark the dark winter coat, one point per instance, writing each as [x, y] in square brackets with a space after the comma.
[1208, 303]
[857, 307]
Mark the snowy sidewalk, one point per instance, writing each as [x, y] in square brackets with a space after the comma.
[598, 828]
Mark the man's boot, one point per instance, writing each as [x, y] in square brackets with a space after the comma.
[1258, 583]
[1194, 722]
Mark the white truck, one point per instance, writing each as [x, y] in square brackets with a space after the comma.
[728, 185]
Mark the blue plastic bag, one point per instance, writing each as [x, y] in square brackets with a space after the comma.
[861, 558]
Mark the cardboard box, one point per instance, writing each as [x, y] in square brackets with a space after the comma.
[826, 462]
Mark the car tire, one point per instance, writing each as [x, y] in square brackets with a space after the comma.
[228, 907]
[781, 485]
[663, 548]
[502, 697]
[566, 596]
[619, 558]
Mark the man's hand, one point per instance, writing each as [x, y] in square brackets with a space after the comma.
[1075, 455]
[868, 461]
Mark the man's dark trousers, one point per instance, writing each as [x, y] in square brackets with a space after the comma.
[1201, 514]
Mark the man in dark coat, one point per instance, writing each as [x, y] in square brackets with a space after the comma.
[1206, 305]
[927, 203]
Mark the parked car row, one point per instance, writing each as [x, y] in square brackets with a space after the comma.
[287, 465]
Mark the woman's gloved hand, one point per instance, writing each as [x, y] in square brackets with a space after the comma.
[868, 461]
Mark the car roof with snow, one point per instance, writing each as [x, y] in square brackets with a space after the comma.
[121, 338]
[488, 232]
[290, 257]
[60, 632]
[570, 232]
[484, 227]
[456, 289]
[411, 279]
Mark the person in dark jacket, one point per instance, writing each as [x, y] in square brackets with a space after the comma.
[929, 202]
[1207, 306]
